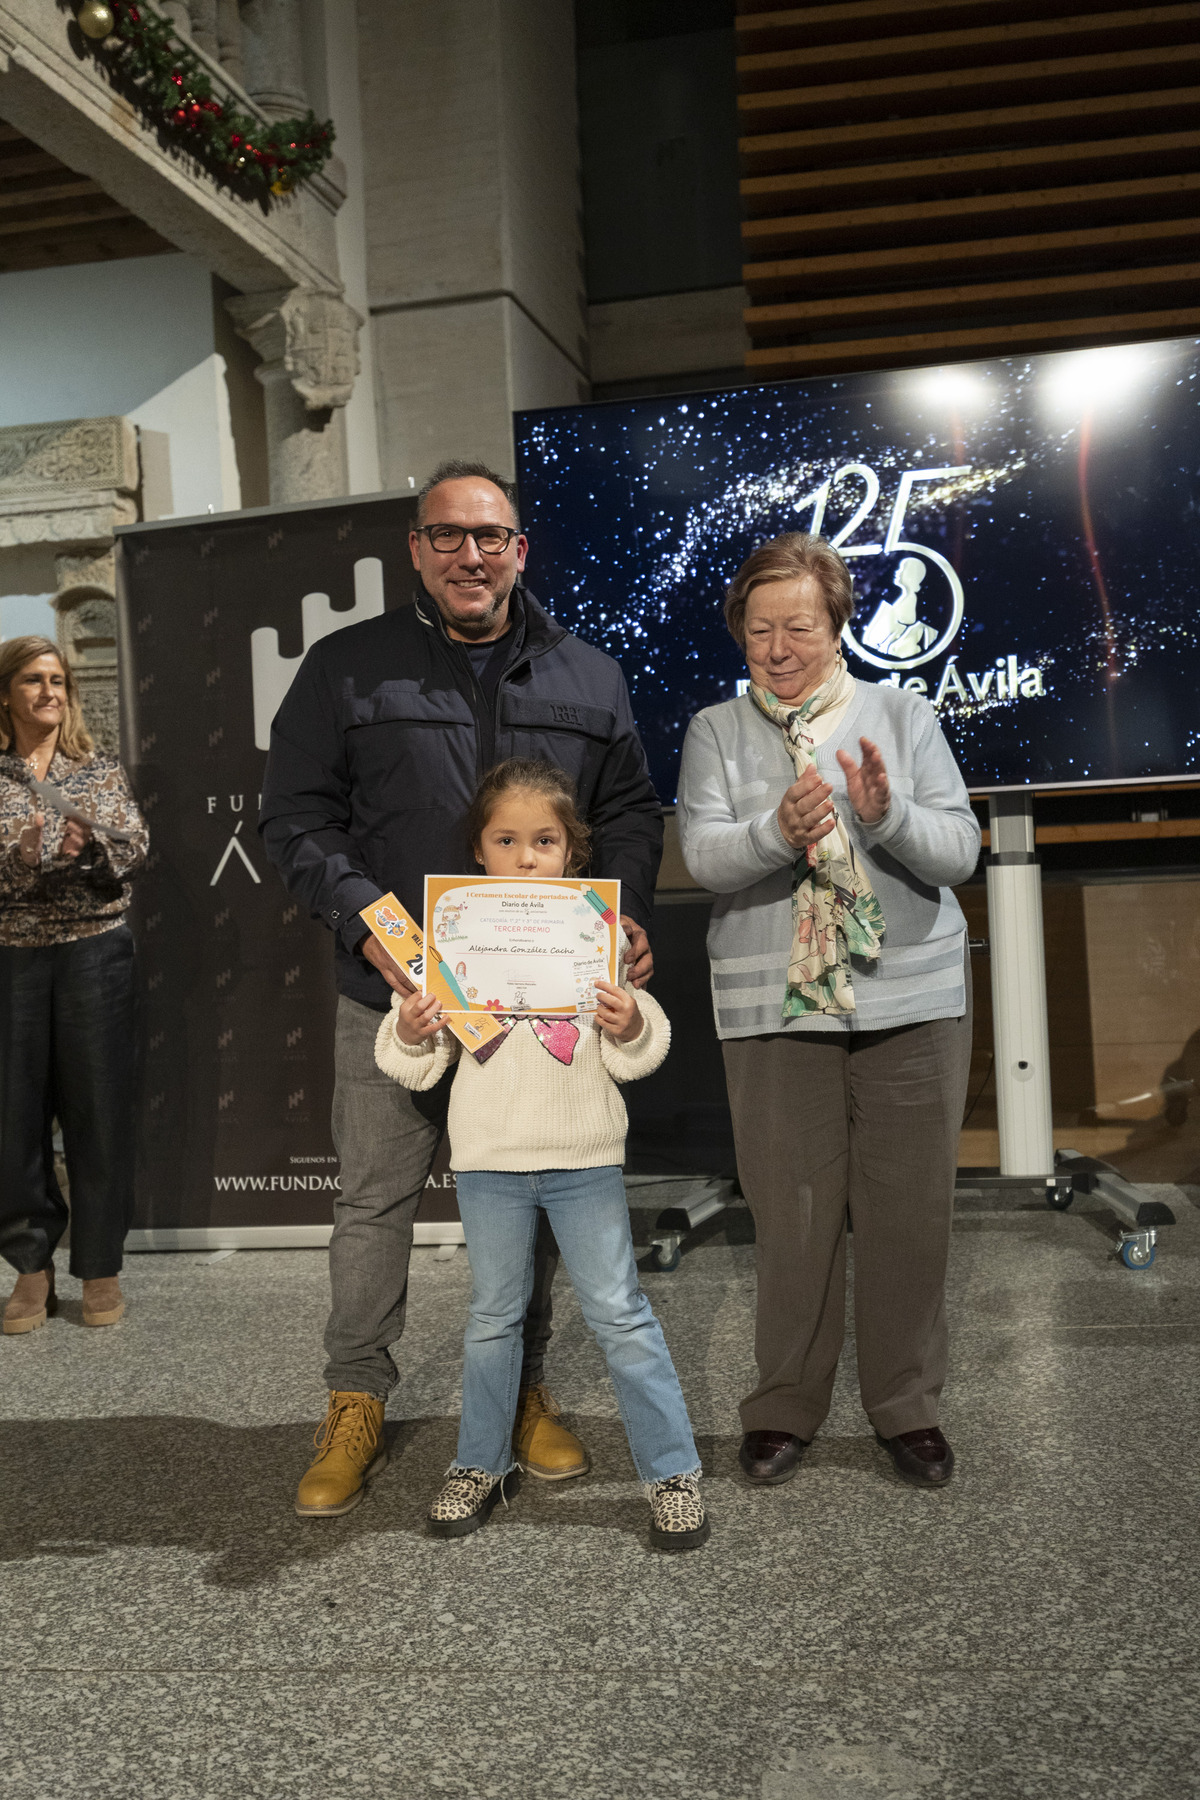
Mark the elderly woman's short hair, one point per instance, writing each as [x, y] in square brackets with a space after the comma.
[790, 558]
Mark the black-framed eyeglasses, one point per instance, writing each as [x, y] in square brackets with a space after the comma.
[492, 540]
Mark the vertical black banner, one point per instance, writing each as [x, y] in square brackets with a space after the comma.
[237, 982]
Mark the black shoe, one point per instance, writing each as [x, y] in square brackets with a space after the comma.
[771, 1457]
[922, 1457]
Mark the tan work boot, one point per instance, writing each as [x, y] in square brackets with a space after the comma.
[542, 1445]
[103, 1301]
[350, 1449]
[31, 1302]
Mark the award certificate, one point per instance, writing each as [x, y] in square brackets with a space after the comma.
[500, 945]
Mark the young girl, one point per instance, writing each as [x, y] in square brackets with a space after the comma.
[539, 1123]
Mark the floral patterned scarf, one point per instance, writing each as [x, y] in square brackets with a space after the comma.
[835, 914]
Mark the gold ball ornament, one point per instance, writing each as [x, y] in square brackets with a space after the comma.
[95, 20]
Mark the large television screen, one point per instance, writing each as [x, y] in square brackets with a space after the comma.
[1024, 537]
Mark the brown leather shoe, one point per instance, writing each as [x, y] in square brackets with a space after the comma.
[103, 1301]
[350, 1449]
[922, 1457]
[31, 1303]
[541, 1442]
[771, 1457]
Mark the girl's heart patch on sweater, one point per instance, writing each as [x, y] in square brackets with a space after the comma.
[559, 1036]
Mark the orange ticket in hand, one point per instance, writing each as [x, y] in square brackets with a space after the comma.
[404, 942]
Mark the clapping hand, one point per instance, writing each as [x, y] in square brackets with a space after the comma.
[75, 836]
[806, 811]
[29, 842]
[867, 782]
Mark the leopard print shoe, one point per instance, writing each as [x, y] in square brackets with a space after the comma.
[466, 1502]
[677, 1517]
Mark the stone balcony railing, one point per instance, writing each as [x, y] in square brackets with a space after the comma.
[281, 260]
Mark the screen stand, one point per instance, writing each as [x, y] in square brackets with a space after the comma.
[1021, 1039]
[1021, 1035]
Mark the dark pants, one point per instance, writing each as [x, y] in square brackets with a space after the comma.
[386, 1139]
[67, 1047]
[861, 1124]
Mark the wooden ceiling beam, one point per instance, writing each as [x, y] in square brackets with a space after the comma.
[931, 348]
[59, 190]
[46, 223]
[907, 263]
[26, 159]
[1170, 152]
[1095, 32]
[1045, 123]
[777, 29]
[89, 243]
[990, 296]
[1098, 201]
[932, 91]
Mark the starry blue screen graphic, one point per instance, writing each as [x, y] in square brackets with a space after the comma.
[1024, 537]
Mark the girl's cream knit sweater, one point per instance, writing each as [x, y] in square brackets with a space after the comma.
[522, 1109]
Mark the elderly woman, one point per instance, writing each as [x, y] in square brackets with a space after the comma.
[66, 992]
[830, 819]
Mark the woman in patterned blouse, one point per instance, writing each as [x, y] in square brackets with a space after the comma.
[67, 1025]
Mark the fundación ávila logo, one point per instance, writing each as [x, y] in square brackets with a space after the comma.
[273, 674]
[912, 605]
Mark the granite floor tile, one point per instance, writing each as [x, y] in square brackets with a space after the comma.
[168, 1627]
[535, 1735]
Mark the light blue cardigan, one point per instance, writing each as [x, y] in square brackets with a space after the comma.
[735, 771]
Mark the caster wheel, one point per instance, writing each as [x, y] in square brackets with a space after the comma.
[1058, 1199]
[1138, 1256]
[664, 1260]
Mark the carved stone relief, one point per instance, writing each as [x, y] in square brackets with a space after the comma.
[312, 335]
[73, 454]
[307, 342]
[70, 485]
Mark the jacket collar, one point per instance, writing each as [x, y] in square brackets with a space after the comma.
[536, 631]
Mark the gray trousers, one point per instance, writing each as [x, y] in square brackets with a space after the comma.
[864, 1123]
[386, 1139]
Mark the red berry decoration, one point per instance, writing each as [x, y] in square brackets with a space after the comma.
[152, 60]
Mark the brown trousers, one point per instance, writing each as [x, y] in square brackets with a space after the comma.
[865, 1122]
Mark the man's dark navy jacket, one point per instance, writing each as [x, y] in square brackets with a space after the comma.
[378, 748]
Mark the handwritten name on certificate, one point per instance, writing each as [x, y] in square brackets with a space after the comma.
[499, 945]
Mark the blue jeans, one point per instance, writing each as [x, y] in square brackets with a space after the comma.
[590, 1220]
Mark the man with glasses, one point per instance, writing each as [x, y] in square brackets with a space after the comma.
[375, 756]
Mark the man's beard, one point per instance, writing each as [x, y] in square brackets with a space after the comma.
[481, 627]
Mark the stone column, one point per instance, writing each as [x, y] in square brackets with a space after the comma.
[87, 632]
[204, 26]
[308, 345]
[273, 56]
[229, 39]
[474, 246]
[179, 12]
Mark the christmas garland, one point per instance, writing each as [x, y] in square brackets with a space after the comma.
[173, 90]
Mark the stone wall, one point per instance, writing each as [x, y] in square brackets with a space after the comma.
[474, 245]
